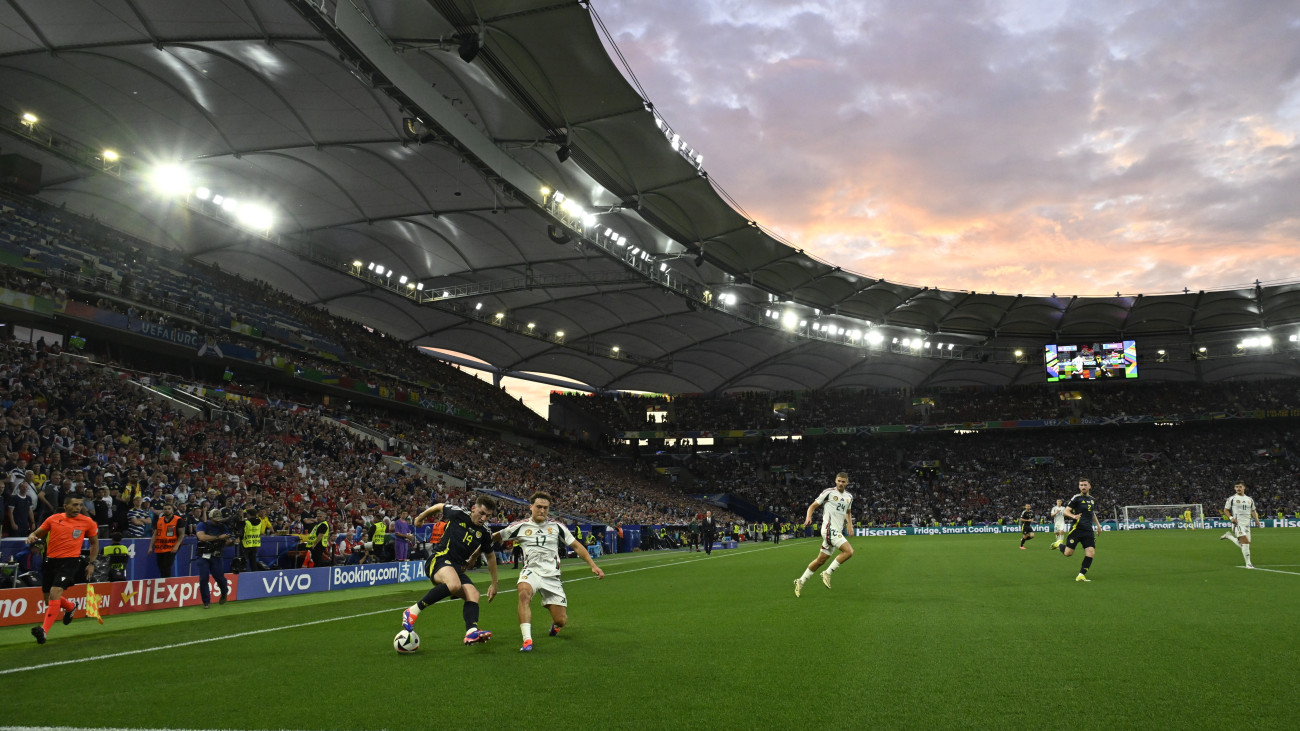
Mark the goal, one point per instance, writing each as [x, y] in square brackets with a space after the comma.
[1140, 516]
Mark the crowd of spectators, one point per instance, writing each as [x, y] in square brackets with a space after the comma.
[988, 476]
[73, 427]
[812, 409]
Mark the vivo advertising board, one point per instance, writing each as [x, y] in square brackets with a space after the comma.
[262, 584]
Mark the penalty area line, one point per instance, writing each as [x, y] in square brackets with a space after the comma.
[250, 633]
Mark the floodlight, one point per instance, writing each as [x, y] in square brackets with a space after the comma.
[478, 305]
[500, 315]
[110, 155]
[949, 346]
[216, 199]
[545, 191]
[410, 285]
[258, 218]
[29, 118]
[927, 343]
[402, 279]
[875, 338]
[420, 286]
[663, 266]
[615, 348]
[559, 333]
[1265, 341]
[816, 327]
[371, 267]
[202, 194]
[532, 325]
[230, 204]
[170, 180]
[1160, 352]
[356, 263]
[1019, 353]
[379, 269]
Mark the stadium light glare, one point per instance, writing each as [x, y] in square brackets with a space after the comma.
[1265, 341]
[110, 155]
[545, 191]
[379, 269]
[927, 343]
[621, 241]
[532, 325]
[170, 180]
[501, 315]
[895, 341]
[445, 293]
[410, 285]
[202, 193]
[1294, 338]
[216, 199]
[1160, 352]
[258, 218]
[816, 327]
[855, 334]
[1201, 349]
[875, 338]
[907, 342]
[29, 119]
[356, 263]
[230, 205]
[1019, 353]
[559, 333]
[420, 286]
[402, 279]
[478, 306]
[949, 346]
[663, 266]
[388, 273]
[615, 349]
[371, 267]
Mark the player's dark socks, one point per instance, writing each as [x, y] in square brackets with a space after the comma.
[435, 594]
[470, 613]
[1087, 561]
[1061, 548]
[1022, 542]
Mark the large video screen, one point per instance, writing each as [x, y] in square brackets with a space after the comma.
[1089, 362]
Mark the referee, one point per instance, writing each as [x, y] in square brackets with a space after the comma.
[63, 564]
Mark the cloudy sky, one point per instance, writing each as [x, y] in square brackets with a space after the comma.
[1038, 147]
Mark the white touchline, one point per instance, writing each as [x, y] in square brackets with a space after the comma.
[323, 621]
[1273, 571]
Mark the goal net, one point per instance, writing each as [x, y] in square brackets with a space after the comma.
[1141, 516]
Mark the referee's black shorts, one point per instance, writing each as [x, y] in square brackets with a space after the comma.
[62, 572]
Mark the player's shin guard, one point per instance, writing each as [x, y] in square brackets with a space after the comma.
[1087, 562]
[470, 613]
[434, 595]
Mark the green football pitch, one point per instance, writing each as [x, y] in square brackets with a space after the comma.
[947, 631]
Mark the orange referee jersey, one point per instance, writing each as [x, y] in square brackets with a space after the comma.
[66, 534]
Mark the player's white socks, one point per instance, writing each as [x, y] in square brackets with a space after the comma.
[414, 609]
[527, 629]
[1245, 551]
[835, 564]
[807, 574]
[1234, 540]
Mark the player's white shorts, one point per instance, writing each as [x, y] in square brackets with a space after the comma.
[832, 543]
[1058, 527]
[549, 588]
[1241, 531]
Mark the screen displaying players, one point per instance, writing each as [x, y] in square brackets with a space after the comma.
[1088, 362]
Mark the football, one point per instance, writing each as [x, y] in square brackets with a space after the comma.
[406, 642]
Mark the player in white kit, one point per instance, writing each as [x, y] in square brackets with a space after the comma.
[541, 539]
[837, 517]
[1058, 523]
[1240, 509]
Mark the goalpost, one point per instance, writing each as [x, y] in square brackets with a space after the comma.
[1160, 513]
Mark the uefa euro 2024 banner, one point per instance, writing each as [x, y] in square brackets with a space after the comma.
[954, 530]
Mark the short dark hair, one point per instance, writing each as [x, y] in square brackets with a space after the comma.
[486, 502]
[1085, 479]
[539, 495]
[71, 496]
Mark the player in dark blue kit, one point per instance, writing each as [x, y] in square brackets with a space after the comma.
[466, 535]
[1086, 525]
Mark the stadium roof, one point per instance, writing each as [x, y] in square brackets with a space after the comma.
[374, 140]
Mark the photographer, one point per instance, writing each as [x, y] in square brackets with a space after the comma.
[213, 535]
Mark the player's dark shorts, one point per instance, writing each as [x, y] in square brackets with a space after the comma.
[1078, 538]
[435, 564]
[62, 572]
[1027, 530]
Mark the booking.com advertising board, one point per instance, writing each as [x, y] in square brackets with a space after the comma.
[26, 606]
